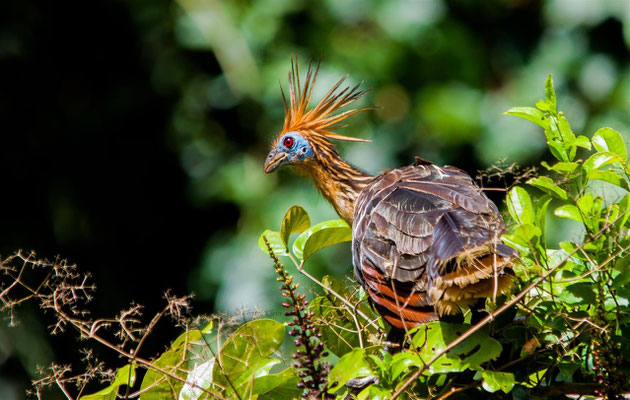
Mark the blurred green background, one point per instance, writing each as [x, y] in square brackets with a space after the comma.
[133, 133]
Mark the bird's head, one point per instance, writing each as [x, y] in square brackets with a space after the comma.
[307, 132]
[290, 148]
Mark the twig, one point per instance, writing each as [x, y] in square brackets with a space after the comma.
[351, 308]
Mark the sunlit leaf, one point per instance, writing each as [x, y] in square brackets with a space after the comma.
[199, 377]
[296, 220]
[558, 150]
[568, 137]
[245, 383]
[534, 379]
[550, 93]
[585, 203]
[351, 365]
[282, 385]
[530, 114]
[520, 205]
[544, 105]
[608, 140]
[474, 351]
[321, 235]
[125, 376]
[561, 166]
[624, 211]
[517, 242]
[623, 266]
[246, 352]
[275, 241]
[403, 361]
[549, 186]
[494, 381]
[599, 160]
[569, 211]
[583, 141]
[528, 231]
[541, 215]
[375, 392]
[156, 385]
[610, 177]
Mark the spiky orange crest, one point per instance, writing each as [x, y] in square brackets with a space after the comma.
[320, 120]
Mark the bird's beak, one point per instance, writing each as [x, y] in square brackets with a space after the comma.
[274, 160]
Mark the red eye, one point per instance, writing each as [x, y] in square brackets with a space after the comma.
[288, 142]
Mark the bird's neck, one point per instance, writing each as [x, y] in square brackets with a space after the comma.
[339, 182]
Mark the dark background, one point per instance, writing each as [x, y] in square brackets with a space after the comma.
[132, 134]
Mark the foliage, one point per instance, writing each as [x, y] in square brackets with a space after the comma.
[565, 330]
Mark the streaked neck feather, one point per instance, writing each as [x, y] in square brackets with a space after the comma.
[339, 182]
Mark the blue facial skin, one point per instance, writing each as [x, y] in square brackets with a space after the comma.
[299, 151]
[292, 148]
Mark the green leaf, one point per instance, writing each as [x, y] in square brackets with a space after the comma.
[530, 114]
[124, 376]
[517, 242]
[569, 211]
[624, 211]
[493, 381]
[375, 392]
[275, 240]
[528, 232]
[567, 369]
[156, 385]
[568, 137]
[352, 365]
[474, 351]
[296, 220]
[550, 93]
[520, 206]
[543, 105]
[339, 338]
[535, 378]
[608, 140]
[245, 383]
[266, 383]
[321, 235]
[585, 204]
[561, 166]
[568, 247]
[623, 266]
[549, 186]
[610, 177]
[583, 293]
[282, 385]
[558, 150]
[541, 215]
[199, 377]
[402, 362]
[599, 160]
[246, 352]
[582, 141]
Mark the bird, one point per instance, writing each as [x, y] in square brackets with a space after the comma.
[426, 240]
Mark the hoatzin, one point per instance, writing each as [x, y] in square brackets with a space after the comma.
[426, 239]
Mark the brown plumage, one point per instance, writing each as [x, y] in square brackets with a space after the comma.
[426, 240]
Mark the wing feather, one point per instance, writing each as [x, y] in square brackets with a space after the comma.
[419, 232]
